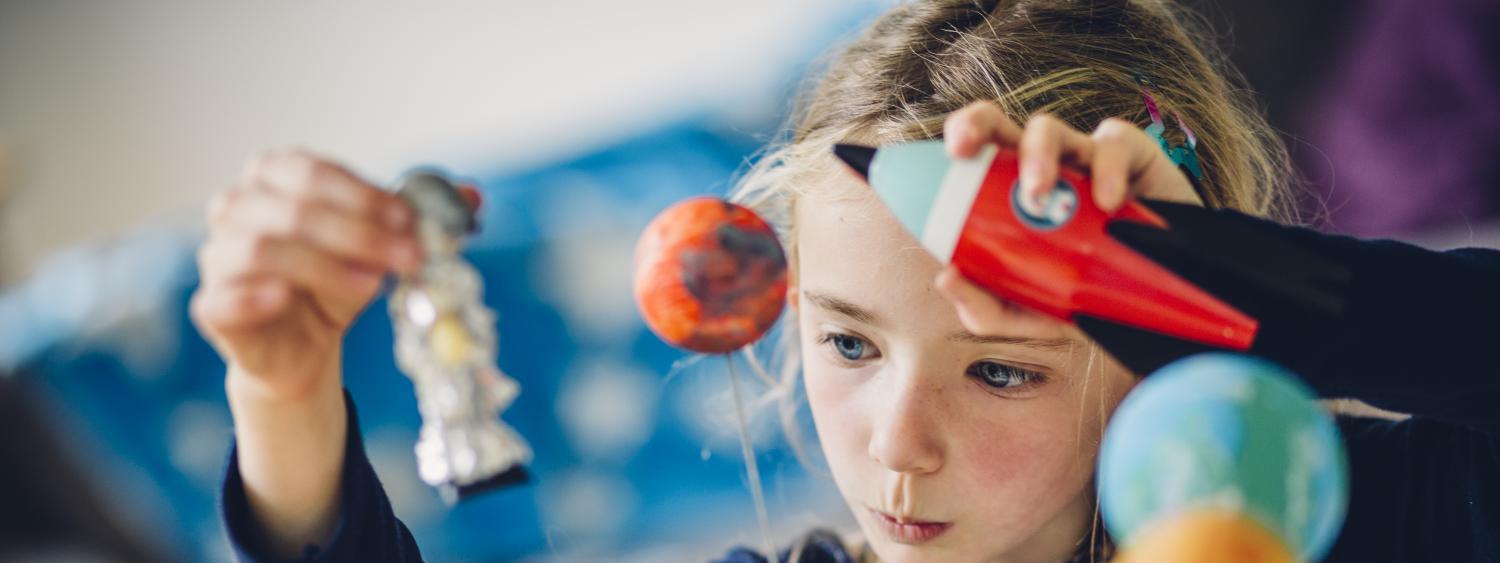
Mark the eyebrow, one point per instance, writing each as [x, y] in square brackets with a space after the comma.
[1038, 343]
[866, 316]
[842, 307]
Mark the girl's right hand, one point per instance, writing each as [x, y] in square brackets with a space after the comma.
[1122, 161]
[295, 251]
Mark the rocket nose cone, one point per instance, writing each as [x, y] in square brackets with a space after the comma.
[858, 157]
[903, 176]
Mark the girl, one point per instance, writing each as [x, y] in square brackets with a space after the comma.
[957, 428]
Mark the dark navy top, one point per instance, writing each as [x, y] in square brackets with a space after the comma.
[1418, 334]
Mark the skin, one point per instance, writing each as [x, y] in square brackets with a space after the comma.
[298, 247]
[935, 402]
[911, 430]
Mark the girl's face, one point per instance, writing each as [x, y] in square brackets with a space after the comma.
[947, 446]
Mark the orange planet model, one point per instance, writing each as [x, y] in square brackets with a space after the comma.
[710, 275]
[1203, 535]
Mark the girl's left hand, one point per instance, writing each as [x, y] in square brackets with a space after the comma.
[1122, 160]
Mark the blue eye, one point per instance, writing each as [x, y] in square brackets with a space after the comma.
[851, 348]
[1002, 376]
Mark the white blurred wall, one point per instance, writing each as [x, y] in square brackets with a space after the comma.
[118, 114]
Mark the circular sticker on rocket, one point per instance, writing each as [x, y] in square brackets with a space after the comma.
[1048, 211]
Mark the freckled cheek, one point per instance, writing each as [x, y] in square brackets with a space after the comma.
[1008, 454]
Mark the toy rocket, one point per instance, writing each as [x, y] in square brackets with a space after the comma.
[1053, 255]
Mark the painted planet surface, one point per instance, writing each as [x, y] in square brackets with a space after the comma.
[1229, 432]
[710, 275]
[1220, 536]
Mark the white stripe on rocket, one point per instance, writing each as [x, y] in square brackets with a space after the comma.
[955, 198]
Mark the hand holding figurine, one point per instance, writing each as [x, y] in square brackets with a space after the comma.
[295, 251]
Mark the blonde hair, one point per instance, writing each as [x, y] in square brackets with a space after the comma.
[1078, 60]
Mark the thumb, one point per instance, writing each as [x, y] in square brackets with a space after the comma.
[217, 310]
[978, 311]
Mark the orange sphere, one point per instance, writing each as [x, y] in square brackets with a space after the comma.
[1216, 535]
[710, 275]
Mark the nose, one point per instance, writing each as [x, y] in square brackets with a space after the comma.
[904, 435]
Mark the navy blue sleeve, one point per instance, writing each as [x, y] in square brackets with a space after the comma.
[367, 531]
[1400, 327]
[1418, 333]
[1419, 490]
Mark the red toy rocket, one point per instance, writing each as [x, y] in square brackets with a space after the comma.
[1052, 255]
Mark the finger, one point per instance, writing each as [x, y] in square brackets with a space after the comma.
[967, 130]
[346, 236]
[984, 314]
[978, 311]
[219, 206]
[299, 173]
[1114, 155]
[1134, 166]
[230, 259]
[229, 307]
[1045, 144]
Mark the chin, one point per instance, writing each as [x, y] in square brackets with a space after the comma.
[892, 552]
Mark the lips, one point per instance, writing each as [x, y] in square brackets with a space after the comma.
[907, 530]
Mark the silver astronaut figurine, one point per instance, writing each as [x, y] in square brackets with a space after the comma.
[445, 342]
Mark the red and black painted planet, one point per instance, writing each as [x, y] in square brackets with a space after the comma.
[710, 277]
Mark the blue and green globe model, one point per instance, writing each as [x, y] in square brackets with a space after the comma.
[1225, 432]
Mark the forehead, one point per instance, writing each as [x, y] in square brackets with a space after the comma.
[850, 243]
[849, 246]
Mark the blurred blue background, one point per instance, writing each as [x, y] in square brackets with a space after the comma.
[606, 116]
[580, 120]
[629, 462]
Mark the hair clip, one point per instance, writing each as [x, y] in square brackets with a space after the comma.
[1185, 156]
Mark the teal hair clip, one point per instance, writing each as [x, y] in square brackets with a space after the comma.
[1184, 156]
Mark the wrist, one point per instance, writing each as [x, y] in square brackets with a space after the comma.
[290, 456]
[282, 391]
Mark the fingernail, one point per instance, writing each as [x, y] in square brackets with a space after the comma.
[943, 282]
[1030, 176]
[268, 295]
[1104, 198]
[974, 138]
[957, 297]
[960, 137]
[397, 216]
[965, 135]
